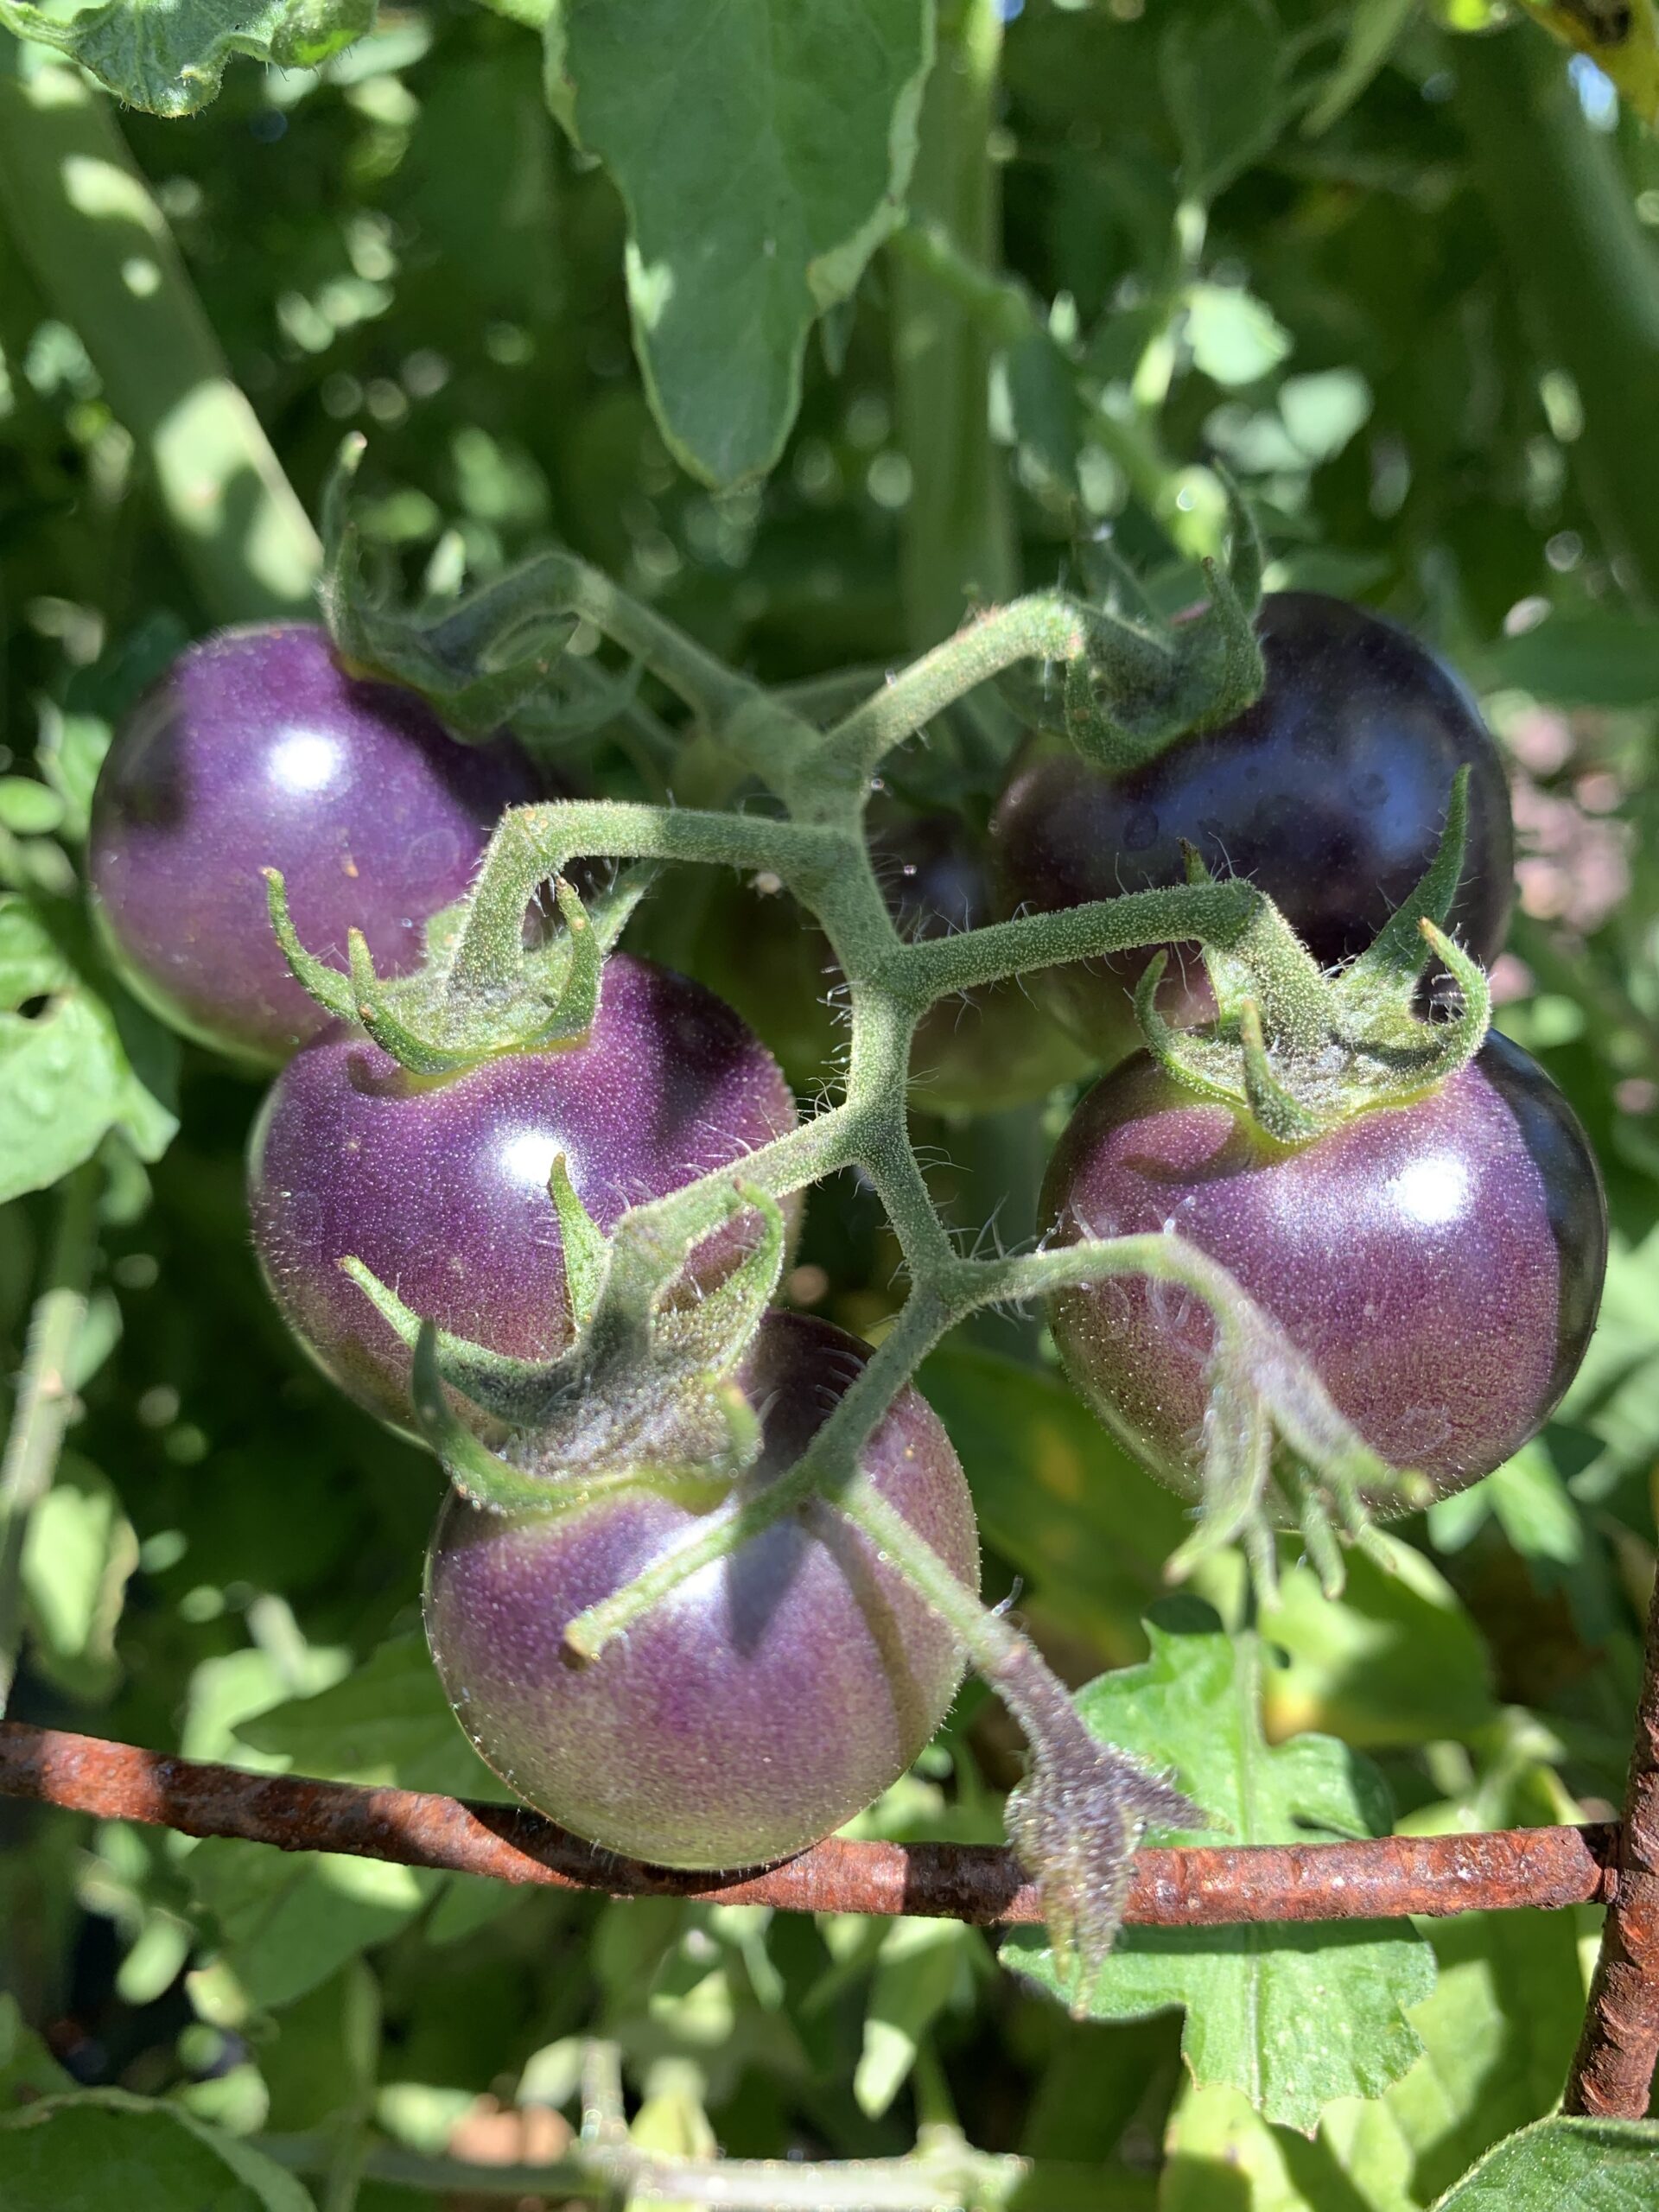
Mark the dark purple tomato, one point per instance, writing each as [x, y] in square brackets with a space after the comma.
[441, 1186]
[1330, 792]
[976, 1054]
[256, 750]
[772, 1697]
[1439, 1263]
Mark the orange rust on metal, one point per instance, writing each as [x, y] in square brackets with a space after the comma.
[1613, 2068]
[1380, 1879]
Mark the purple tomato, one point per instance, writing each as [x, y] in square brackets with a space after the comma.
[1439, 1263]
[256, 749]
[1330, 792]
[772, 1697]
[441, 1186]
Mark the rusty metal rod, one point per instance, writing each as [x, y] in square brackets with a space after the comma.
[1612, 2071]
[1200, 1888]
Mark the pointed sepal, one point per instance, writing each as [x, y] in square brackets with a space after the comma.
[584, 1247]
[331, 990]
[1391, 966]
[476, 1471]
[514, 1391]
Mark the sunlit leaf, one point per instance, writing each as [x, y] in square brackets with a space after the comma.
[168, 56]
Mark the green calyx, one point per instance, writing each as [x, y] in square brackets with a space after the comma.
[1140, 684]
[644, 1392]
[371, 637]
[532, 1002]
[1301, 1051]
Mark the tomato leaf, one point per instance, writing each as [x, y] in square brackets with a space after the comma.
[77, 1058]
[1220, 69]
[388, 1722]
[1609, 2163]
[762, 149]
[1395, 1660]
[72, 2151]
[169, 59]
[1260, 2000]
[79, 1552]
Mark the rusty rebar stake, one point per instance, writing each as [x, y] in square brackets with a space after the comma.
[1612, 2069]
[1381, 1879]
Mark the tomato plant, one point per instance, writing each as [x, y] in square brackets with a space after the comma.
[567, 571]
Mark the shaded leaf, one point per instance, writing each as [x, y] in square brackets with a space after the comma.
[387, 1722]
[1373, 30]
[27, 2068]
[1220, 68]
[73, 1062]
[287, 1923]
[762, 150]
[86, 2152]
[1395, 1660]
[921, 1966]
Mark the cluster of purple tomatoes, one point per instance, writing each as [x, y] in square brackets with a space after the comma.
[1439, 1263]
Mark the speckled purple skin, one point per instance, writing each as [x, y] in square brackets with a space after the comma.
[774, 1696]
[441, 1186]
[1441, 1263]
[1330, 792]
[256, 750]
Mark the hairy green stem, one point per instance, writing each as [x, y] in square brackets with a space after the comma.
[45, 1401]
[535, 842]
[1214, 913]
[1044, 626]
[101, 251]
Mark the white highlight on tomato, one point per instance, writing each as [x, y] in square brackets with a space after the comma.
[1433, 1191]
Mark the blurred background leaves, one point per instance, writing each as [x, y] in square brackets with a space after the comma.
[1401, 282]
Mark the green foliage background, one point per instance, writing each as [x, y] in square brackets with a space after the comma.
[992, 319]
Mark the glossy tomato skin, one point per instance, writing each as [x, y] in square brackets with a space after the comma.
[772, 1697]
[979, 1052]
[1439, 1263]
[257, 750]
[441, 1186]
[1330, 792]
